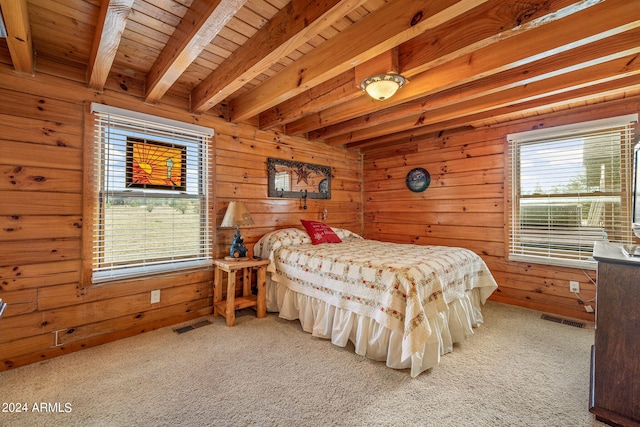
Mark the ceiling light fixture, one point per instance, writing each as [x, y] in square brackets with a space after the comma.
[382, 86]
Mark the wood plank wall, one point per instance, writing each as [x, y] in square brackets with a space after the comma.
[465, 206]
[41, 214]
[241, 174]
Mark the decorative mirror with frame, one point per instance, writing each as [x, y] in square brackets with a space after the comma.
[290, 179]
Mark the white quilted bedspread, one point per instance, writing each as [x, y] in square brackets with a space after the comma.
[398, 285]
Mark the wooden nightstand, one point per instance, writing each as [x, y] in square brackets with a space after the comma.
[227, 308]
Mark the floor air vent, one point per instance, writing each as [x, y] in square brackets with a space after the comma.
[188, 328]
[563, 321]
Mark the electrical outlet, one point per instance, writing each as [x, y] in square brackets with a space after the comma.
[574, 286]
[155, 296]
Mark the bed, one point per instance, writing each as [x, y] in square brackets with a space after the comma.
[402, 304]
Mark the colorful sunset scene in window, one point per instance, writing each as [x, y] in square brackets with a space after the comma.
[153, 164]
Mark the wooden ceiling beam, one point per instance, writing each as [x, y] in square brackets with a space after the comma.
[19, 42]
[499, 115]
[617, 46]
[394, 23]
[386, 62]
[505, 113]
[488, 23]
[552, 36]
[295, 24]
[341, 88]
[494, 21]
[199, 26]
[566, 86]
[111, 22]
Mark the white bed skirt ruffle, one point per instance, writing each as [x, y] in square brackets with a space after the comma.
[371, 339]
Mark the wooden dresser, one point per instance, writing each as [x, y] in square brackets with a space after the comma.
[615, 358]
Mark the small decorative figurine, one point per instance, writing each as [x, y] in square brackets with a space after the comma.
[238, 249]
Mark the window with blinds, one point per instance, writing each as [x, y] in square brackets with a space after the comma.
[570, 186]
[151, 193]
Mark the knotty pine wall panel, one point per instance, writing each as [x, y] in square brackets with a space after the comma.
[466, 202]
[49, 312]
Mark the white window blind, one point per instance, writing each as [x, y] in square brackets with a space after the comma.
[152, 180]
[570, 186]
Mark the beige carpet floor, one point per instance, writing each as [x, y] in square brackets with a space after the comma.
[516, 370]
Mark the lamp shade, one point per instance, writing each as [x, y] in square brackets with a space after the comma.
[236, 215]
[382, 86]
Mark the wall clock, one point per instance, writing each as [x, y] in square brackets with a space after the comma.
[418, 180]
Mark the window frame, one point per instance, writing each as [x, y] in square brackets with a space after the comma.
[92, 195]
[514, 249]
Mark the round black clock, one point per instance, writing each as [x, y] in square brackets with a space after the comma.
[418, 180]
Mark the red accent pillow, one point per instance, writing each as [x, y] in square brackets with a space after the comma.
[320, 232]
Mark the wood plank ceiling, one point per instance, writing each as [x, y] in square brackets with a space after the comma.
[295, 66]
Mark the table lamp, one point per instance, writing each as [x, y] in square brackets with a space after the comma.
[236, 215]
